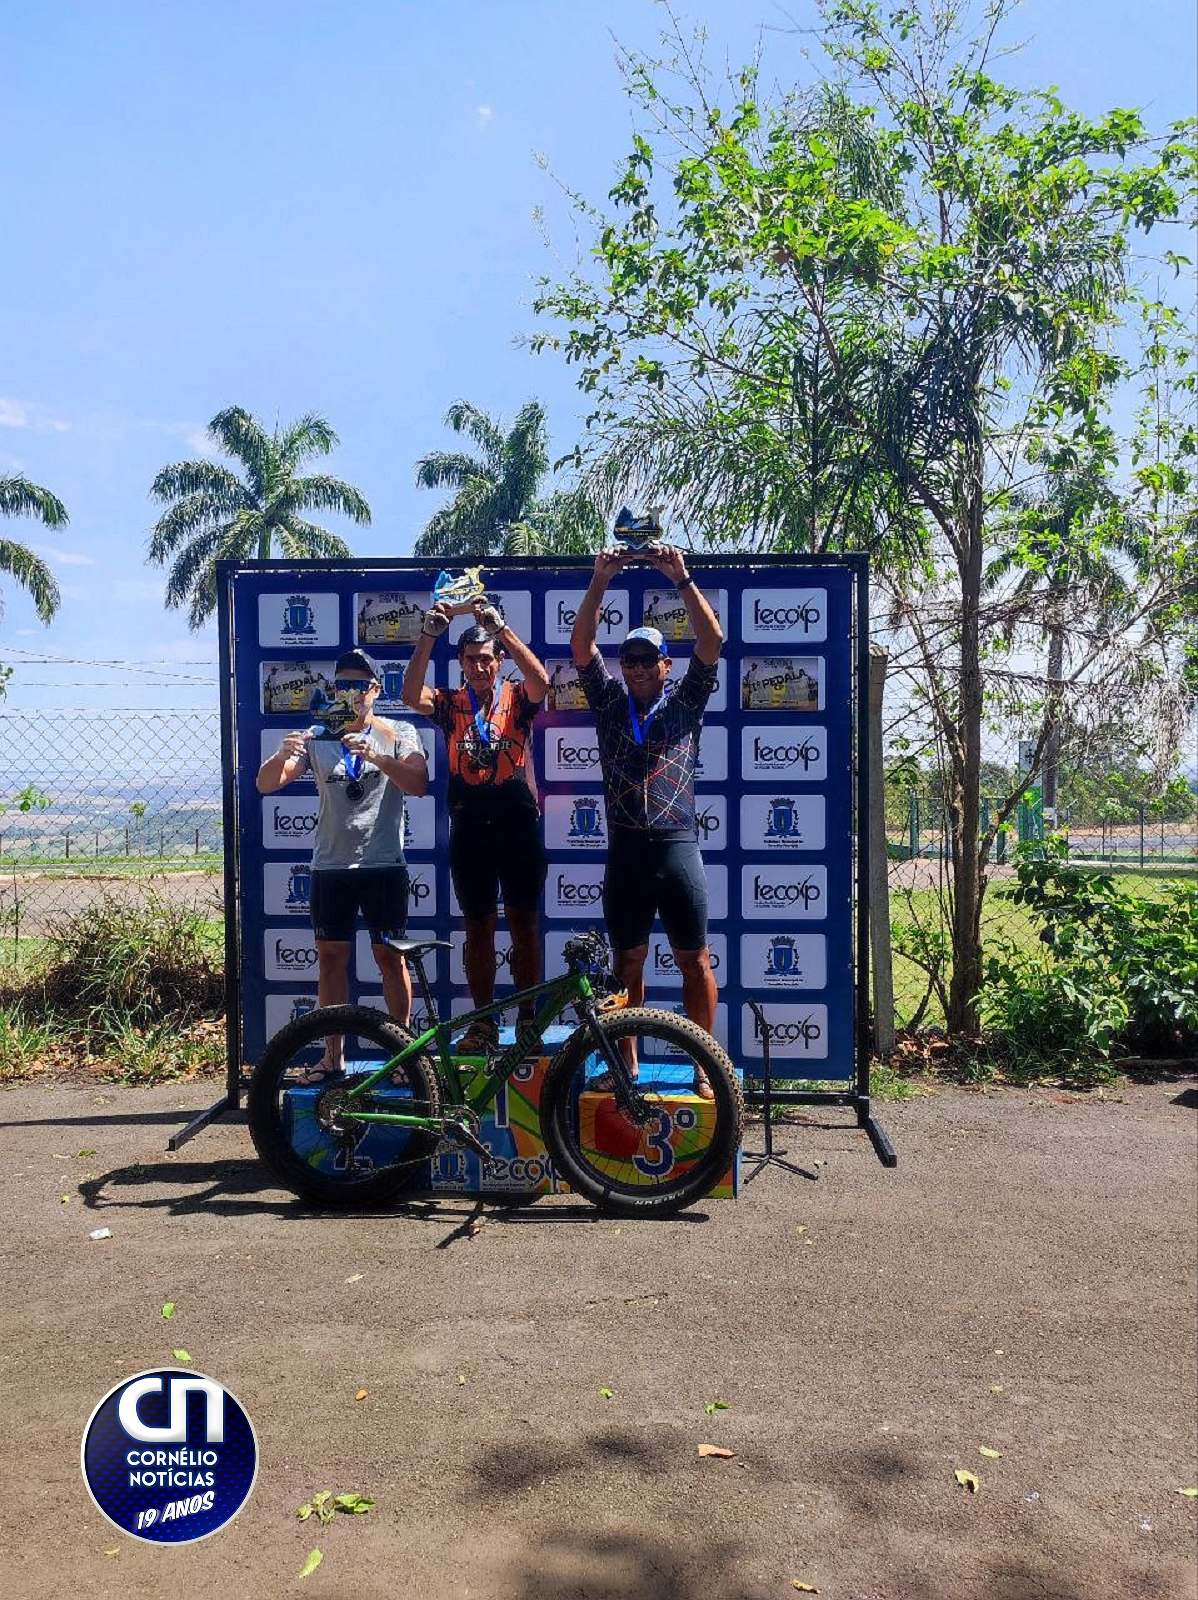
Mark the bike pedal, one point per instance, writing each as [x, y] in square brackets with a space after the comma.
[463, 1135]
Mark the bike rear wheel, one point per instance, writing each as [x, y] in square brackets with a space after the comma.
[306, 1133]
[681, 1149]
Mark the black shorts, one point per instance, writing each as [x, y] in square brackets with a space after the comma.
[380, 893]
[647, 877]
[488, 854]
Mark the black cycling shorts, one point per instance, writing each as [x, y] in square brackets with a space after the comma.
[490, 854]
[648, 877]
[380, 893]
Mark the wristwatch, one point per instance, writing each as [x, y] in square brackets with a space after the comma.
[682, 582]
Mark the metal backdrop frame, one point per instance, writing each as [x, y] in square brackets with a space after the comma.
[856, 562]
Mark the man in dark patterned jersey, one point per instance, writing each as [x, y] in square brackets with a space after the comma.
[648, 745]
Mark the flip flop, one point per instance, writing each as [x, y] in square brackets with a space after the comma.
[319, 1072]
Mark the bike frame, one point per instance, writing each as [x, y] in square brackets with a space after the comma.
[480, 1084]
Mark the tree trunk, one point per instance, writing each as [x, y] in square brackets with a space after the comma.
[965, 807]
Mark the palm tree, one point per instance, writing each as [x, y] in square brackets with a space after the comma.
[1065, 544]
[20, 498]
[496, 509]
[215, 515]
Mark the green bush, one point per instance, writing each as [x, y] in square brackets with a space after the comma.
[122, 962]
[1116, 972]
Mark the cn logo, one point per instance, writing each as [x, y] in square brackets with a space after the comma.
[175, 1432]
[169, 1456]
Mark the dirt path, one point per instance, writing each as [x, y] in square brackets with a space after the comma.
[1024, 1281]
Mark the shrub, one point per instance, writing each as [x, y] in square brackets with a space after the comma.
[138, 962]
[1116, 971]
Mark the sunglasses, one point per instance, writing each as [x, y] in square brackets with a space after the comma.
[353, 685]
[639, 658]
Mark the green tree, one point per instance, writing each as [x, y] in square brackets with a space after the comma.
[963, 298]
[1063, 546]
[496, 508]
[213, 514]
[20, 498]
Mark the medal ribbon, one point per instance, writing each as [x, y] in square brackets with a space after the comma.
[480, 716]
[640, 725]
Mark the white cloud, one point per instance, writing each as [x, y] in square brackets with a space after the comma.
[20, 414]
[483, 116]
[64, 558]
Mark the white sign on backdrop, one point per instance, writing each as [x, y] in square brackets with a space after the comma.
[390, 616]
[289, 953]
[782, 822]
[503, 959]
[783, 960]
[367, 968]
[421, 831]
[287, 888]
[784, 751]
[775, 891]
[561, 612]
[665, 609]
[288, 820]
[298, 618]
[575, 822]
[782, 683]
[712, 765]
[574, 889]
[665, 1053]
[663, 972]
[794, 1032]
[571, 753]
[284, 1008]
[289, 687]
[516, 605]
[711, 818]
[784, 616]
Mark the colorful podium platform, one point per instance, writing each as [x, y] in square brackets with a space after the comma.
[520, 1164]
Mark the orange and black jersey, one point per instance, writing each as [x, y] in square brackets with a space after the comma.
[487, 749]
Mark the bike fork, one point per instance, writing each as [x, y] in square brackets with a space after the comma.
[627, 1097]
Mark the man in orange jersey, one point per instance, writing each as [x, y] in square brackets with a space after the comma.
[495, 826]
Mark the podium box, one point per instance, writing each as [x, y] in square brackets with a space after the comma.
[520, 1165]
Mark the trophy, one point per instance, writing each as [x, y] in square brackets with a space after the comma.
[336, 712]
[461, 594]
[637, 533]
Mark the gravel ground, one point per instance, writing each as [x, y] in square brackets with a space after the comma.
[1024, 1281]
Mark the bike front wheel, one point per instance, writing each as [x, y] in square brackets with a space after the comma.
[673, 1147]
[303, 1126]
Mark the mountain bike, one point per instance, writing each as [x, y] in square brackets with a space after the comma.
[361, 1134]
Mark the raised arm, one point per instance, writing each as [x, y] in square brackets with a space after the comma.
[416, 692]
[586, 624]
[536, 679]
[287, 763]
[709, 636]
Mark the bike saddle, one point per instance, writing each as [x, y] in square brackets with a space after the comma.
[416, 947]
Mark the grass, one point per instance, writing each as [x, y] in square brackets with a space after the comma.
[1002, 919]
[129, 990]
[121, 866]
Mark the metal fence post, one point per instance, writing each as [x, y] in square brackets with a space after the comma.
[879, 877]
[1141, 811]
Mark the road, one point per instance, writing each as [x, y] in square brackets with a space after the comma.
[1023, 1282]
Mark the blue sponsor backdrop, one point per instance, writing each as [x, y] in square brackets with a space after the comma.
[775, 787]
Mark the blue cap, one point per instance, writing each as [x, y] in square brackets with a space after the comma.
[653, 636]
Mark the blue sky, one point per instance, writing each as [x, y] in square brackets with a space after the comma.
[299, 207]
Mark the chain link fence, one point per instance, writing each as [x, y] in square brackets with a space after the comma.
[120, 803]
[112, 802]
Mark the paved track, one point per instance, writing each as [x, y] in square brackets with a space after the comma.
[1024, 1280]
